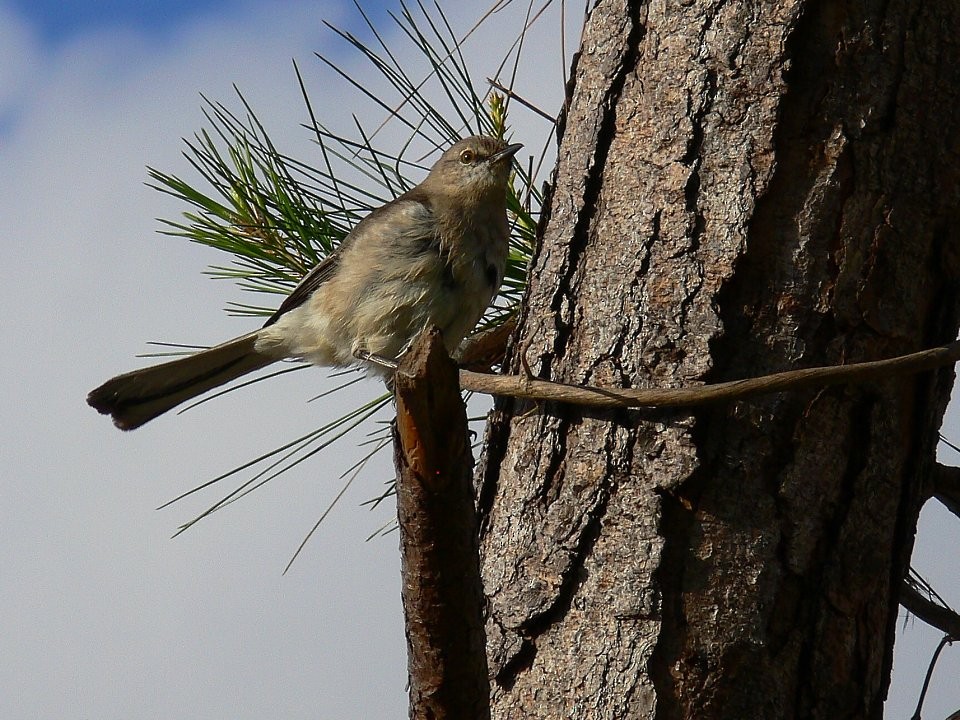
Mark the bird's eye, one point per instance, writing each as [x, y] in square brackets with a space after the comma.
[467, 157]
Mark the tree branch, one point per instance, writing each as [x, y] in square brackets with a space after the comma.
[531, 388]
[932, 613]
[481, 351]
[442, 591]
[946, 487]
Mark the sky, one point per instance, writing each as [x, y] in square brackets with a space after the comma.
[105, 615]
[55, 21]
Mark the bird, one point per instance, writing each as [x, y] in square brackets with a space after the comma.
[435, 255]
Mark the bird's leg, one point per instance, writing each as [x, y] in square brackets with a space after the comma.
[367, 356]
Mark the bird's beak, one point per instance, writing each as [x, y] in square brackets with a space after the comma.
[508, 152]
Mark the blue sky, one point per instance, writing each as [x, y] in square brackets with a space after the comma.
[56, 20]
[112, 619]
[34, 35]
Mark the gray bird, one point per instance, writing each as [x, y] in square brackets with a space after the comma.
[435, 255]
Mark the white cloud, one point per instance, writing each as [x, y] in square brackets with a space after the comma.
[19, 58]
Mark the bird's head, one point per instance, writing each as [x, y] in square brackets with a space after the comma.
[474, 168]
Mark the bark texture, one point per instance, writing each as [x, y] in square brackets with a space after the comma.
[742, 188]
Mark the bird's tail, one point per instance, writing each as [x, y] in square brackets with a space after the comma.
[139, 396]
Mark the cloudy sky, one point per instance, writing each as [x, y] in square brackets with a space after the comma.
[104, 615]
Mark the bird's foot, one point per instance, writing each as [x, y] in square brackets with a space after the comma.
[367, 356]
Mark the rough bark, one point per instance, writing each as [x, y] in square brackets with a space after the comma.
[742, 188]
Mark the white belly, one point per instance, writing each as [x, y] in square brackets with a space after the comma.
[365, 307]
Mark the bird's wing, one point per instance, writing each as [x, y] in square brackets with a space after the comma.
[311, 281]
[411, 206]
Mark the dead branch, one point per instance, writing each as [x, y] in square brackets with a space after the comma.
[442, 592]
[932, 613]
[946, 487]
[531, 388]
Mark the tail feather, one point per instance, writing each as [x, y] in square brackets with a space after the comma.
[139, 396]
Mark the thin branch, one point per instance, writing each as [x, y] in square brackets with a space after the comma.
[482, 350]
[946, 487]
[531, 388]
[926, 679]
[951, 445]
[932, 613]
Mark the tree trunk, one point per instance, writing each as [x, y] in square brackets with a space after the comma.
[742, 188]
